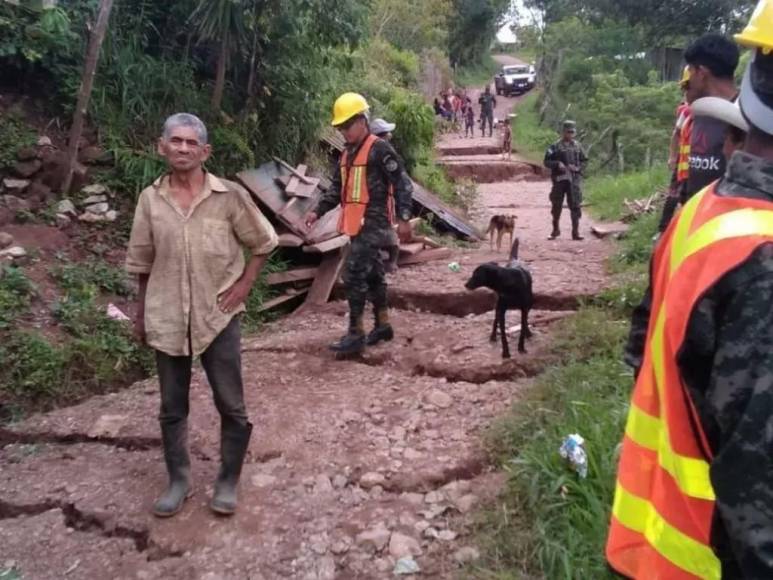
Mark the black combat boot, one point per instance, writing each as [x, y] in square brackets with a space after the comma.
[556, 231]
[382, 331]
[353, 342]
[178, 465]
[234, 441]
[576, 230]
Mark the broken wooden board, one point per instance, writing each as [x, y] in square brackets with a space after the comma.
[289, 240]
[261, 184]
[411, 248]
[327, 246]
[282, 298]
[428, 242]
[425, 256]
[614, 230]
[307, 189]
[449, 218]
[295, 275]
[327, 276]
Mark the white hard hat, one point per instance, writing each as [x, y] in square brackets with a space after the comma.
[756, 111]
[380, 126]
[721, 109]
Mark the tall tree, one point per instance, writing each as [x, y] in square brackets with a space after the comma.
[84, 94]
[220, 21]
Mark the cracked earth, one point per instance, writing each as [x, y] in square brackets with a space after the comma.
[355, 466]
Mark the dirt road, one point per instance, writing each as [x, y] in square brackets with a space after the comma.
[353, 464]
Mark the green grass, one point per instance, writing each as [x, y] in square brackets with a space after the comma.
[605, 193]
[16, 290]
[549, 522]
[73, 276]
[530, 139]
[478, 75]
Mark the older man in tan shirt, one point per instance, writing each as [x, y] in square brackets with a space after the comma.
[186, 246]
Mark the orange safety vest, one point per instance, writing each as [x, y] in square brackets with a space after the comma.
[683, 159]
[664, 499]
[354, 190]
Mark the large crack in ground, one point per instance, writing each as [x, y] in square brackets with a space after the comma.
[94, 523]
[464, 303]
[130, 443]
[492, 171]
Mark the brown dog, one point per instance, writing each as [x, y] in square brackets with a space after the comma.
[500, 224]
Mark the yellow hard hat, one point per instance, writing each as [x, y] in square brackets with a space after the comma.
[347, 106]
[759, 31]
[685, 76]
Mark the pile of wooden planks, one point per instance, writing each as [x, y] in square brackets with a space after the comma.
[638, 207]
[286, 194]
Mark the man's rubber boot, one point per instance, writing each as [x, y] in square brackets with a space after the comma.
[556, 231]
[382, 331]
[233, 447]
[576, 231]
[178, 466]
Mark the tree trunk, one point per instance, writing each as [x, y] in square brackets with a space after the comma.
[250, 104]
[87, 83]
[222, 58]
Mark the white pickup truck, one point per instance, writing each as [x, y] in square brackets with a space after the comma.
[515, 79]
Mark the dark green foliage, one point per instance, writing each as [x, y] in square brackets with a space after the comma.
[15, 293]
[75, 277]
[14, 135]
[473, 28]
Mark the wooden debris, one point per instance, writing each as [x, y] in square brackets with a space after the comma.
[412, 248]
[614, 230]
[637, 207]
[295, 275]
[327, 246]
[428, 242]
[327, 275]
[282, 298]
[288, 240]
[425, 256]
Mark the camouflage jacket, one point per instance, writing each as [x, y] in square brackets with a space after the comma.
[385, 168]
[568, 153]
[726, 362]
[487, 102]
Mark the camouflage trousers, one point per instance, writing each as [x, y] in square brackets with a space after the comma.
[364, 274]
[570, 191]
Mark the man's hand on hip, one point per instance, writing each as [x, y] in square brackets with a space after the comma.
[234, 296]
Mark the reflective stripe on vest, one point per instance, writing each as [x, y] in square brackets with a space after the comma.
[664, 499]
[683, 159]
[355, 195]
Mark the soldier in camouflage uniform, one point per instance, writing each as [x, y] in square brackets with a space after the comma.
[566, 161]
[726, 360]
[488, 103]
[388, 184]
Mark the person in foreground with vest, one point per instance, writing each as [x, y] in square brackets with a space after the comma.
[694, 494]
[372, 186]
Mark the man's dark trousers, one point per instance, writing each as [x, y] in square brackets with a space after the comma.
[222, 364]
[572, 193]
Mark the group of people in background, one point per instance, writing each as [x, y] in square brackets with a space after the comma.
[457, 108]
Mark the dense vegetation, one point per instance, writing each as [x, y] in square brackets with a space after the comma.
[601, 64]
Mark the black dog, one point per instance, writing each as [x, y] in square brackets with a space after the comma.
[513, 285]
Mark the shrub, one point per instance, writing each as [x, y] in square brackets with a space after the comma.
[231, 151]
[80, 277]
[15, 293]
[14, 135]
[32, 366]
